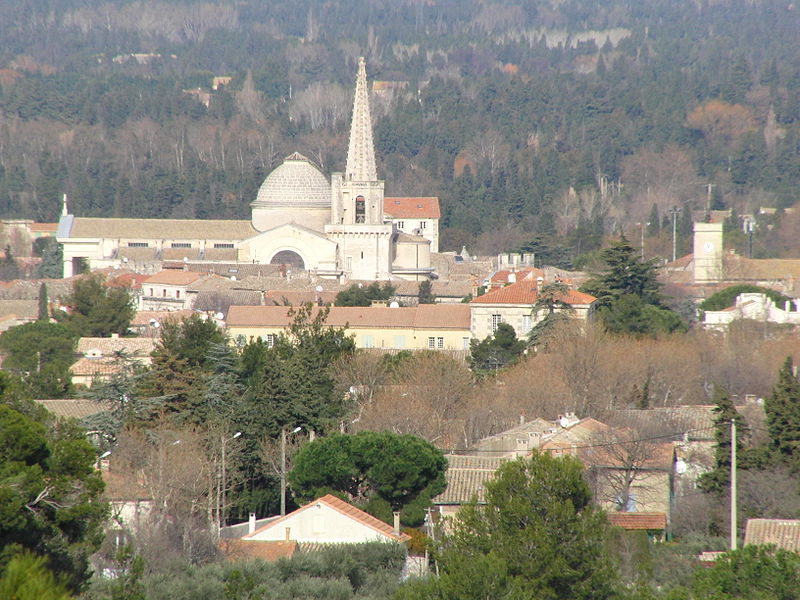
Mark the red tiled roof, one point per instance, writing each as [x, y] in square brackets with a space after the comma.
[530, 274]
[170, 277]
[527, 292]
[268, 551]
[346, 509]
[409, 208]
[638, 520]
[44, 227]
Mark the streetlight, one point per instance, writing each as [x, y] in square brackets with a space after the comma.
[283, 466]
[221, 490]
[674, 212]
[749, 226]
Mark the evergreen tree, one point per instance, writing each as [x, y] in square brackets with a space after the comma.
[717, 480]
[8, 266]
[782, 407]
[425, 294]
[44, 304]
[496, 351]
[538, 535]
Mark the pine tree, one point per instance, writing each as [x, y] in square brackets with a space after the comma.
[783, 416]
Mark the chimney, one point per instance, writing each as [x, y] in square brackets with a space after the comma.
[396, 529]
[288, 533]
[512, 278]
[114, 336]
[251, 523]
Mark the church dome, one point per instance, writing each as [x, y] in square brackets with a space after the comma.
[296, 182]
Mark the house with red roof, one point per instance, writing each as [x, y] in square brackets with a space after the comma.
[415, 216]
[514, 304]
[327, 520]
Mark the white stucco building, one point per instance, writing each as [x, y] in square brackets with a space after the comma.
[338, 228]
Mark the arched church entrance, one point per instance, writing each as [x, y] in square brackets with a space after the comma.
[289, 258]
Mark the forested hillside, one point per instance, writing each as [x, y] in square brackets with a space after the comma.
[542, 125]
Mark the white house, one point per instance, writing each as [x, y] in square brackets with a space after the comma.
[328, 520]
[754, 306]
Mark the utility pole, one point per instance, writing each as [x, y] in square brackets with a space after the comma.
[643, 225]
[733, 485]
[283, 467]
[223, 482]
[283, 471]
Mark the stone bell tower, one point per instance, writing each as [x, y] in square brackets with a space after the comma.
[357, 218]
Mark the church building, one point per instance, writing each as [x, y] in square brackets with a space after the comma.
[343, 228]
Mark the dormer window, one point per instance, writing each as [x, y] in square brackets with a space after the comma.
[361, 209]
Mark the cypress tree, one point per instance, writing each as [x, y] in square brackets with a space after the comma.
[717, 480]
[44, 308]
[783, 416]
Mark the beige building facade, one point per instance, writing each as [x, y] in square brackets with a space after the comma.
[423, 327]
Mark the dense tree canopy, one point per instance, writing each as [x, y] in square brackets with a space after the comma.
[41, 353]
[369, 467]
[359, 294]
[496, 351]
[49, 495]
[98, 310]
[537, 536]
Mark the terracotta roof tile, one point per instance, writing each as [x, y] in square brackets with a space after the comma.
[525, 274]
[638, 520]
[44, 227]
[409, 208]
[101, 346]
[466, 477]
[163, 229]
[431, 316]
[143, 317]
[77, 408]
[346, 509]
[527, 292]
[170, 277]
[250, 549]
[784, 533]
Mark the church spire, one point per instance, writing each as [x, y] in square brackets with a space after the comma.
[361, 151]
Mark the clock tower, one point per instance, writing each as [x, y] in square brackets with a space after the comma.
[707, 252]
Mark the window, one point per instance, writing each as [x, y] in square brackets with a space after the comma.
[181, 245]
[440, 343]
[526, 323]
[361, 209]
[349, 263]
[138, 245]
[151, 291]
[400, 224]
[465, 343]
[431, 343]
[399, 341]
[164, 292]
[369, 341]
[423, 224]
[496, 320]
[223, 245]
[177, 293]
[270, 340]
